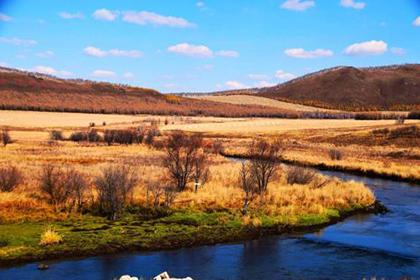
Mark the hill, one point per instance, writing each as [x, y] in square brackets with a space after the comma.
[21, 90]
[395, 87]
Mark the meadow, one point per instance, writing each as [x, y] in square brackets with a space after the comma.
[153, 217]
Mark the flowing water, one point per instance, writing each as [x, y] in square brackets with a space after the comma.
[361, 246]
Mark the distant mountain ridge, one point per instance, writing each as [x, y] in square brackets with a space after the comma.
[23, 90]
[393, 87]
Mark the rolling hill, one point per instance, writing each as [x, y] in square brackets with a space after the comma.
[395, 87]
[21, 90]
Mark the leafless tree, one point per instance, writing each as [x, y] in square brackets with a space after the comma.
[5, 137]
[335, 154]
[185, 160]
[170, 195]
[248, 184]
[10, 178]
[52, 183]
[76, 182]
[114, 186]
[265, 162]
[155, 190]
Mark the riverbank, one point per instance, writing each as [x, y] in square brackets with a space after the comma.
[143, 231]
[337, 166]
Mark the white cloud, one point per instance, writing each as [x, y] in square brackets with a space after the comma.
[301, 53]
[45, 54]
[258, 77]
[264, 84]
[21, 56]
[284, 76]
[200, 4]
[352, 4]
[128, 75]
[416, 22]
[191, 50]
[297, 5]
[227, 53]
[104, 14]
[101, 53]
[51, 71]
[104, 74]
[3, 64]
[17, 41]
[4, 17]
[235, 85]
[367, 48]
[66, 15]
[143, 18]
[400, 51]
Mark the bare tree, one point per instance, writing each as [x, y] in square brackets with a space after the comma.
[265, 162]
[154, 190]
[10, 178]
[248, 184]
[184, 157]
[77, 184]
[5, 137]
[299, 175]
[52, 183]
[201, 171]
[114, 186]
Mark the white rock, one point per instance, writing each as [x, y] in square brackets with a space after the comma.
[125, 277]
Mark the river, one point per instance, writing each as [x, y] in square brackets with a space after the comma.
[361, 246]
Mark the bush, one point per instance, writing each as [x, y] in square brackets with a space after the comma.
[50, 237]
[400, 121]
[93, 136]
[78, 136]
[62, 186]
[5, 137]
[114, 186]
[299, 175]
[415, 115]
[10, 178]
[335, 154]
[56, 135]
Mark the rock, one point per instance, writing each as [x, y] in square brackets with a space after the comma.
[165, 276]
[43, 266]
[128, 277]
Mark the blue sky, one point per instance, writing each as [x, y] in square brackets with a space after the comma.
[183, 45]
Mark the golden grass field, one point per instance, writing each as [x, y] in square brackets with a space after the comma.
[305, 141]
[262, 101]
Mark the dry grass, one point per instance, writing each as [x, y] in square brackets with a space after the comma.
[262, 101]
[221, 192]
[50, 237]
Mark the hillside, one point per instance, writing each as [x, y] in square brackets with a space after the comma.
[394, 87]
[20, 90]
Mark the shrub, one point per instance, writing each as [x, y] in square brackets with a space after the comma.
[10, 178]
[92, 124]
[415, 115]
[50, 237]
[299, 175]
[335, 154]
[93, 136]
[383, 131]
[78, 136]
[5, 137]
[63, 186]
[124, 137]
[114, 186]
[56, 135]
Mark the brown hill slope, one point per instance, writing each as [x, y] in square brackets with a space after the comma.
[394, 87]
[21, 90]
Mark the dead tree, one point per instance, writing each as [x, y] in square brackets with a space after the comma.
[10, 178]
[265, 162]
[114, 186]
[184, 158]
[247, 183]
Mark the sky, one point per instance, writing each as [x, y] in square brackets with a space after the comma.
[209, 45]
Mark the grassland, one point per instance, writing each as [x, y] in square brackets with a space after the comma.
[210, 216]
[262, 101]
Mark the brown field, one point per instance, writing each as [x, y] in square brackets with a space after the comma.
[262, 101]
